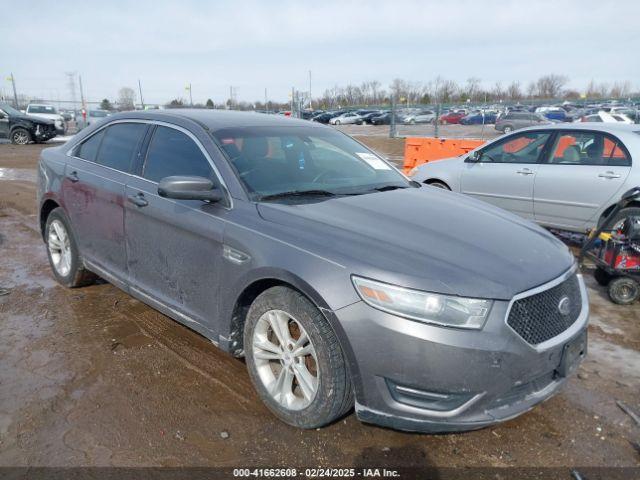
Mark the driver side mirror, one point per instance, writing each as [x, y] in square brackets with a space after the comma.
[473, 157]
[189, 188]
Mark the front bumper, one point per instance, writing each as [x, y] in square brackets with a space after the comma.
[413, 376]
[44, 132]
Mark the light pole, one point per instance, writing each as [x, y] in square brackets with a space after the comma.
[15, 93]
[310, 101]
[140, 90]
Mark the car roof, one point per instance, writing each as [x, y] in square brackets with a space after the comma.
[217, 119]
[611, 127]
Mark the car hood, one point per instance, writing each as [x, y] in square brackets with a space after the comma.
[34, 119]
[427, 239]
[48, 116]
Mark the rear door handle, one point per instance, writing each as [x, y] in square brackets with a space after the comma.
[73, 177]
[525, 171]
[138, 200]
[609, 175]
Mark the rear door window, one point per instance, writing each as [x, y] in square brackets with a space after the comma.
[171, 152]
[120, 143]
[589, 148]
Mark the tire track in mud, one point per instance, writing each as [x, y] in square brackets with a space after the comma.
[200, 355]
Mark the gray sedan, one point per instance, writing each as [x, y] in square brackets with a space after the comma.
[340, 281]
[566, 176]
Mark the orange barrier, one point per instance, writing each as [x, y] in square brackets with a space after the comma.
[419, 150]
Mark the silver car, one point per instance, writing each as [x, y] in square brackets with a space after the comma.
[565, 176]
[422, 116]
[345, 118]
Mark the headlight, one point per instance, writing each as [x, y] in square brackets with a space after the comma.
[445, 310]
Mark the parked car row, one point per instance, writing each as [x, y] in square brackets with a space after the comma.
[506, 118]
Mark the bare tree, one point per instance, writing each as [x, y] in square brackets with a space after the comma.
[497, 91]
[550, 86]
[620, 89]
[513, 91]
[473, 88]
[126, 98]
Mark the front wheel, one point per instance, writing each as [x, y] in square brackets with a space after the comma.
[507, 129]
[63, 253]
[20, 136]
[295, 361]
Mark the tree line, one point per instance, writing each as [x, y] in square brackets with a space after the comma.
[438, 90]
[441, 90]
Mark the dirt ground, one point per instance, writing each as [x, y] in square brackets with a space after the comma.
[91, 376]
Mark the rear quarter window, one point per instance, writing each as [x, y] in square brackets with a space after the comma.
[88, 149]
[119, 144]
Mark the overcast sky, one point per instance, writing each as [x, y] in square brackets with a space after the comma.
[273, 44]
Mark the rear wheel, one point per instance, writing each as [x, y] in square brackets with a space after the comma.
[616, 222]
[20, 136]
[624, 290]
[63, 253]
[295, 361]
[507, 129]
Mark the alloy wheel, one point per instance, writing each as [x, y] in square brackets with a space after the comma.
[20, 138]
[285, 360]
[59, 248]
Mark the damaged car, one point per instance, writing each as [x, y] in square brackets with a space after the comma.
[21, 129]
[340, 281]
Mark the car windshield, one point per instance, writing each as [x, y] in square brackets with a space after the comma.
[279, 160]
[42, 109]
[9, 110]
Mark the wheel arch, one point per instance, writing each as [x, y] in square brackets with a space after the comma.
[605, 213]
[431, 180]
[46, 208]
[259, 282]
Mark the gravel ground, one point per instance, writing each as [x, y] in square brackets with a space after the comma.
[91, 376]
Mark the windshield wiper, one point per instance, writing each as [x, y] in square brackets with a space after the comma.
[386, 188]
[298, 193]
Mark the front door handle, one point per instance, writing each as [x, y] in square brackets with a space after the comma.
[609, 174]
[138, 200]
[73, 177]
[525, 171]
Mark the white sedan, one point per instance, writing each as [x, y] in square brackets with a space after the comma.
[567, 175]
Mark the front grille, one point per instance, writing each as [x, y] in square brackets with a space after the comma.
[538, 318]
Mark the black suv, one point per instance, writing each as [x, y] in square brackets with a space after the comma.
[22, 129]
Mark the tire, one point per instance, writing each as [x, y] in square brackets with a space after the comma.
[602, 277]
[624, 290]
[439, 184]
[63, 253]
[621, 215]
[337, 122]
[329, 393]
[507, 129]
[20, 136]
